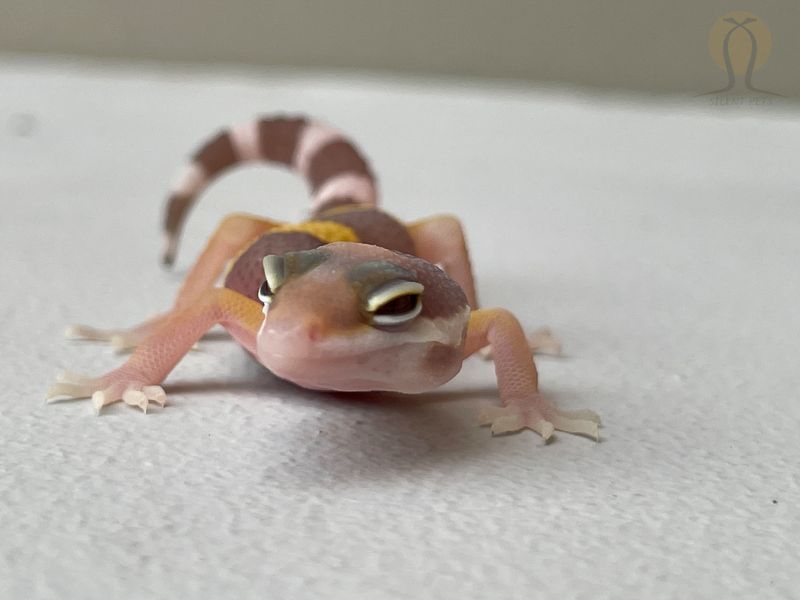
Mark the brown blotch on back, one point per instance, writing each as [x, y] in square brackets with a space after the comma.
[333, 159]
[218, 154]
[373, 226]
[277, 138]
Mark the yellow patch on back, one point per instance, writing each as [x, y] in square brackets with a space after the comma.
[327, 231]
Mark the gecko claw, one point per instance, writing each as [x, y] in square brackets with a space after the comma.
[135, 398]
[99, 400]
[142, 397]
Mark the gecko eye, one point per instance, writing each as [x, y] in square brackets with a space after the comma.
[274, 277]
[395, 303]
[264, 293]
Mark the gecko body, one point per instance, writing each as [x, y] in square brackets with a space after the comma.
[351, 299]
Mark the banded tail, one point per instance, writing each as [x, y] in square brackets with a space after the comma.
[336, 171]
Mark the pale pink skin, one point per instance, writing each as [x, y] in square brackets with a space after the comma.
[314, 333]
[320, 340]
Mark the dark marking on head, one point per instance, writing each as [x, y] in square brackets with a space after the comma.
[443, 297]
[247, 273]
[298, 263]
[368, 276]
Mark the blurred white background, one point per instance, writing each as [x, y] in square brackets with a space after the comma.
[625, 44]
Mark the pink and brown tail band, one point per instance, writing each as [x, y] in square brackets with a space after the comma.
[336, 171]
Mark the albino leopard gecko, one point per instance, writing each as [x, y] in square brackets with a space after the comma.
[350, 300]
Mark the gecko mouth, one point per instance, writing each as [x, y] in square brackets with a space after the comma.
[408, 368]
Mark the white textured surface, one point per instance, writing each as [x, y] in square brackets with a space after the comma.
[660, 243]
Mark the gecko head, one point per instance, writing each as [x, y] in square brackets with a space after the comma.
[357, 317]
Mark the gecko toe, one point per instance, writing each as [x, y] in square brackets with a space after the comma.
[136, 398]
[155, 393]
[67, 390]
[85, 332]
[507, 423]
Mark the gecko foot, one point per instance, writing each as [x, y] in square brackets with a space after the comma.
[538, 414]
[541, 341]
[110, 388]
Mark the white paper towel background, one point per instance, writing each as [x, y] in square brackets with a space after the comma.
[660, 242]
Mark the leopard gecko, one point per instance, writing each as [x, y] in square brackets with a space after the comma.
[351, 299]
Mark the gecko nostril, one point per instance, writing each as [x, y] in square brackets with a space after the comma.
[313, 331]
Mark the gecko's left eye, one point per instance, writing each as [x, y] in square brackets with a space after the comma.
[265, 293]
[274, 277]
[395, 303]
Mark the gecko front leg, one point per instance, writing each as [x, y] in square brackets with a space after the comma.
[517, 379]
[233, 234]
[136, 381]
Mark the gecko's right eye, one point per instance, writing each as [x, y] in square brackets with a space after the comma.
[265, 293]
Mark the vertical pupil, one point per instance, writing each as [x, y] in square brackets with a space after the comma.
[399, 305]
[264, 291]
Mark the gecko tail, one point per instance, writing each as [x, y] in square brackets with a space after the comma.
[336, 172]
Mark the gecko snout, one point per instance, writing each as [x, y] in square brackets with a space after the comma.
[312, 330]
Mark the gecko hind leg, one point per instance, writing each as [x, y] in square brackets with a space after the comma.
[233, 235]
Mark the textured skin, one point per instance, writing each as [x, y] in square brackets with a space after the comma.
[277, 139]
[347, 306]
[336, 157]
[152, 360]
[316, 334]
[373, 227]
[443, 297]
[321, 154]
